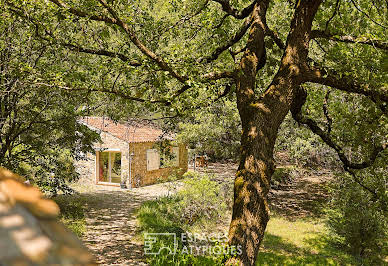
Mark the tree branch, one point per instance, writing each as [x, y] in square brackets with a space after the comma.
[225, 92]
[275, 37]
[345, 83]
[349, 39]
[226, 7]
[221, 21]
[336, 8]
[358, 181]
[219, 75]
[80, 13]
[367, 15]
[132, 36]
[130, 33]
[71, 46]
[237, 37]
[239, 34]
[102, 52]
[329, 120]
[110, 91]
[186, 18]
[296, 111]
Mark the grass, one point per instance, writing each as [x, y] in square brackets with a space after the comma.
[161, 216]
[299, 242]
[72, 213]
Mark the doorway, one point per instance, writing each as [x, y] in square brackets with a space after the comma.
[109, 167]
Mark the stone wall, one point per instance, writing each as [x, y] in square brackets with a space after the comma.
[139, 174]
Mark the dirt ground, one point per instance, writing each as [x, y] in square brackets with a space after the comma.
[304, 196]
[111, 222]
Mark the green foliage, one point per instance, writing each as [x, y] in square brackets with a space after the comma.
[302, 147]
[192, 174]
[52, 172]
[297, 242]
[39, 115]
[357, 218]
[166, 154]
[200, 199]
[72, 213]
[283, 175]
[214, 131]
[39, 133]
[171, 183]
[196, 204]
[161, 216]
[183, 32]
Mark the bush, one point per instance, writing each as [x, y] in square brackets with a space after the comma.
[356, 216]
[283, 176]
[199, 202]
[170, 183]
[200, 198]
[303, 147]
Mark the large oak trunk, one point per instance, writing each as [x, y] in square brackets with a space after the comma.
[261, 118]
[251, 186]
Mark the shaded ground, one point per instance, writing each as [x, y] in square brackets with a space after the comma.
[111, 224]
[304, 196]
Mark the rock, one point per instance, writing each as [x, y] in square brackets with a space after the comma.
[30, 233]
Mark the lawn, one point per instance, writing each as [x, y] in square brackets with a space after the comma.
[300, 242]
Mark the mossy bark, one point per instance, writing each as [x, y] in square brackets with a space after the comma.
[261, 119]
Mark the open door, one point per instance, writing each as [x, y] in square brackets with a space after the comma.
[109, 167]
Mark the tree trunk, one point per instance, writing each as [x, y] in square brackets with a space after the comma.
[261, 119]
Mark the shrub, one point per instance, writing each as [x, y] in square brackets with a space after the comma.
[191, 174]
[170, 183]
[356, 217]
[199, 202]
[200, 198]
[283, 176]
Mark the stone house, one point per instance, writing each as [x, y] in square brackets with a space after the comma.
[128, 154]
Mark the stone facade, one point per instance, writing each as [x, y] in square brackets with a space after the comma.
[139, 175]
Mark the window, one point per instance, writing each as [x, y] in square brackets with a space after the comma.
[109, 167]
[153, 159]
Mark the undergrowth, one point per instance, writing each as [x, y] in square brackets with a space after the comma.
[72, 212]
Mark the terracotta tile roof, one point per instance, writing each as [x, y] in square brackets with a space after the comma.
[133, 131]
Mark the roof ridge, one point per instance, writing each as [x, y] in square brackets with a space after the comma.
[134, 130]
